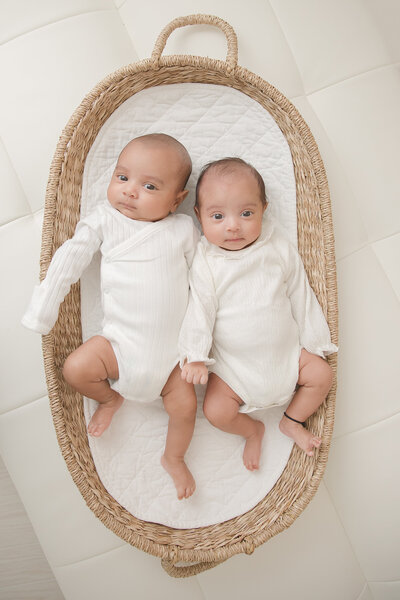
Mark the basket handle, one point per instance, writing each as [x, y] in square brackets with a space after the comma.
[188, 571]
[232, 54]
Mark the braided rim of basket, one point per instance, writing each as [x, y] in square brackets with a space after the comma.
[211, 545]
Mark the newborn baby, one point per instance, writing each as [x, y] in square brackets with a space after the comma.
[146, 251]
[253, 319]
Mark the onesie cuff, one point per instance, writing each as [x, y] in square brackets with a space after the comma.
[34, 325]
[324, 351]
[190, 359]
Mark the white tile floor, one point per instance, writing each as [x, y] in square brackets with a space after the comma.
[24, 570]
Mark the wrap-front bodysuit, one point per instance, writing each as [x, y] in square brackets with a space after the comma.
[144, 291]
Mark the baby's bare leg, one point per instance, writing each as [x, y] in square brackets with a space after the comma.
[87, 370]
[181, 404]
[221, 407]
[315, 381]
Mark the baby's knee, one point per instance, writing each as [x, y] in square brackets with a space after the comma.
[180, 404]
[315, 372]
[323, 376]
[72, 369]
[211, 412]
[215, 411]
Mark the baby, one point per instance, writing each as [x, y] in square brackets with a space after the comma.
[252, 305]
[146, 252]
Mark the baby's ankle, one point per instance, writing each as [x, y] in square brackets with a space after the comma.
[173, 458]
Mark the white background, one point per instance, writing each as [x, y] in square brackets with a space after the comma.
[338, 62]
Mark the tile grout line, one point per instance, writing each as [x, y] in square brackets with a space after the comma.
[367, 244]
[366, 586]
[22, 406]
[88, 558]
[55, 22]
[18, 178]
[359, 74]
[340, 437]
[346, 535]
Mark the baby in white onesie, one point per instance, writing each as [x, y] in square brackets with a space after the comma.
[146, 252]
[253, 320]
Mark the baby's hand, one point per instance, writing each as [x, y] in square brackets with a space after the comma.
[195, 372]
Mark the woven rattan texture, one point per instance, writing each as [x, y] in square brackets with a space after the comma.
[206, 546]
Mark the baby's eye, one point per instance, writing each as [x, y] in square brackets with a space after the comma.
[247, 213]
[217, 216]
[122, 177]
[149, 186]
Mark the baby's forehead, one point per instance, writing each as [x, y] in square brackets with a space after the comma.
[215, 175]
[153, 152]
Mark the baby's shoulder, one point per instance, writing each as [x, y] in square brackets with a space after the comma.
[204, 251]
[94, 220]
[184, 231]
[182, 221]
[285, 249]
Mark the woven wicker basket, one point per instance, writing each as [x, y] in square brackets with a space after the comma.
[204, 547]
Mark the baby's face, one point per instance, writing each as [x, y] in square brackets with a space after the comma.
[230, 209]
[146, 183]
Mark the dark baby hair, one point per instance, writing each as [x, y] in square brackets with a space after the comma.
[229, 165]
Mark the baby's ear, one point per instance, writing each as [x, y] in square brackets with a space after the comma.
[181, 196]
[178, 200]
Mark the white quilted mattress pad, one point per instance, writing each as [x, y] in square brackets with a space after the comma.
[212, 122]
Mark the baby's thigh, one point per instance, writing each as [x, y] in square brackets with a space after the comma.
[314, 370]
[220, 399]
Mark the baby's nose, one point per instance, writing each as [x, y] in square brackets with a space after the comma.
[233, 224]
[131, 190]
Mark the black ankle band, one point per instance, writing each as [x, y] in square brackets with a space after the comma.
[295, 420]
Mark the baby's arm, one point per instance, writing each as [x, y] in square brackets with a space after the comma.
[195, 338]
[313, 329]
[66, 267]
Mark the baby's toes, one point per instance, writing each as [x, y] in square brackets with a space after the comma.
[190, 492]
[251, 466]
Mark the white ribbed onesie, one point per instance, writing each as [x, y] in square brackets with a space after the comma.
[144, 291]
[255, 310]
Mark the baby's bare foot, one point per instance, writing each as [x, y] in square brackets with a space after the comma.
[103, 416]
[306, 440]
[181, 476]
[252, 449]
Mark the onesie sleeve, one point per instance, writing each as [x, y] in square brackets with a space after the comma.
[66, 267]
[313, 329]
[195, 338]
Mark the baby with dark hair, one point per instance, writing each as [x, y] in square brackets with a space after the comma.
[253, 320]
[146, 251]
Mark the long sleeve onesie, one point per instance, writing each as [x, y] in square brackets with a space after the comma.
[250, 312]
[144, 291]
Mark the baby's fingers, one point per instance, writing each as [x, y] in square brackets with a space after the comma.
[190, 376]
[186, 374]
[203, 378]
[200, 377]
